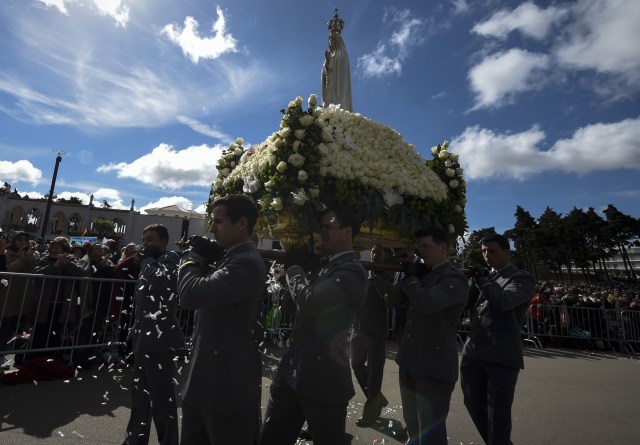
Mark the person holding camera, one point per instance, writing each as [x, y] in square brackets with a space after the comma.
[16, 296]
[313, 381]
[492, 354]
[436, 294]
[155, 338]
[221, 392]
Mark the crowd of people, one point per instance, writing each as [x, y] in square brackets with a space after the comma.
[339, 315]
[55, 312]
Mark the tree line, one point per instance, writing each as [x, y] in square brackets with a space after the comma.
[580, 240]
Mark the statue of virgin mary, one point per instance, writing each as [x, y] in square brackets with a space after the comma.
[336, 77]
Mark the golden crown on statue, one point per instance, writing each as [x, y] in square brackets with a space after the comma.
[336, 23]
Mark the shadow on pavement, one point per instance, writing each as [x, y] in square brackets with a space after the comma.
[41, 409]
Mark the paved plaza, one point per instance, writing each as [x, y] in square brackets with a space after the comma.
[563, 397]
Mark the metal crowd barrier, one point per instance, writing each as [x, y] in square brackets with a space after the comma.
[85, 316]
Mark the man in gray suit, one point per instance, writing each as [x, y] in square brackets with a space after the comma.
[436, 294]
[221, 392]
[156, 337]
[492, 355]
[313, 380]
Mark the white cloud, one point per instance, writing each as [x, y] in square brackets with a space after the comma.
[67, 195]
[32, 194]
[597, 147]
[460, 6]
[167, 168]
[604, 37]
[112, 196]
[167, 201]
[202, 128]
[116, 9]
[197, 47]
[19, 171]
[485, 153]
[389, 55]
[528, 18]
[497, 78]
[58, 4]
[600, 147]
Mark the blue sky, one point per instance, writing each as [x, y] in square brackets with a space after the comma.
[540, 98]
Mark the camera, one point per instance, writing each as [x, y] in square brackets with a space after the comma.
[208, 249]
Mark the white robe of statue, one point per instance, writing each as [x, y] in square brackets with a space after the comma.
[336, 77]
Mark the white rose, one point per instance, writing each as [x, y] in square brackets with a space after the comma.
[238, 151]
[451, 228]
[296, 159]
[295, 145]
[233, 163]
[448, 163]
[300, 197]
[239, 141]
[326, 135]
[444, 154]
[292, 104]
[285, 132]
[306, 120]
[314, 192]
[276, 204]
[282, 166]
[229, 155]
[455, 157]
[298, 101]
[445, 144]
[450, 172]
[272, 160]
[434, 149]
[459, 171]
[269, 184]
[457, 209]
[453, 183]
[225, 172]
[317, 112]
[302, 176]
[300, 133]
[313, 100]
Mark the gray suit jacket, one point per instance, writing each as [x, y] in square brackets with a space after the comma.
[155, 302]
[498, 316]
[435, 302]
[225, 368]
[317, 362]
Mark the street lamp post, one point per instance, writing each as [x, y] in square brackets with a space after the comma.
[45, 222]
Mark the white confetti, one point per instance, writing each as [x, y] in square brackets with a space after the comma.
[77, 434]
[60, 433]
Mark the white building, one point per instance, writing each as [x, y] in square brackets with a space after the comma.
[67, 219]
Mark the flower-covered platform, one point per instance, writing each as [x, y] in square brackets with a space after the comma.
[322, 157]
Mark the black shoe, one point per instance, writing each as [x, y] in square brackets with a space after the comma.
[364, 422]
[400, 435]
[305, 434]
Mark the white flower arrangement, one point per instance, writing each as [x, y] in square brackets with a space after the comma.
[328, 156]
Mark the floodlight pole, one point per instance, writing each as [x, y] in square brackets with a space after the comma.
[45, 223]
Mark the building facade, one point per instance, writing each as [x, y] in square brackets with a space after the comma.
[67, 219]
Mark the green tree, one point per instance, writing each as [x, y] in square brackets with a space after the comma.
[104, 227]
[523, 235]
[550, 242]
[71, 200]
[623, 230]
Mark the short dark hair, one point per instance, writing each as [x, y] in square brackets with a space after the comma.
[439, 236]
[501, 240]
[161, 230]
[238, 206]
[347, 217]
